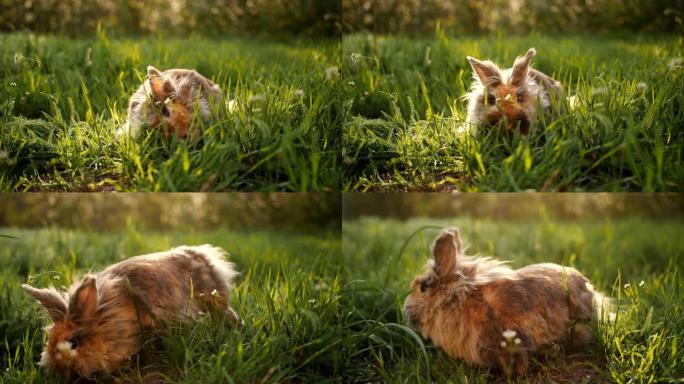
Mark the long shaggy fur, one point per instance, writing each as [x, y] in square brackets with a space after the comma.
[513, 94]
[170, 100]
[99, 320]
[465, 304]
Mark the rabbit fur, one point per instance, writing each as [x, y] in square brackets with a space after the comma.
[488, 314]
[513, 94]
[171, 100]
[97, 323]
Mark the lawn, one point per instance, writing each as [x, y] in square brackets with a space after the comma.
[637, 262]
[406, 106]
[288, 296]
[63, 99]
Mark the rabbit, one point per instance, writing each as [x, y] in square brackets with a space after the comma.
[514, 94]
[98, 324]
[170, 100]
[484, 312]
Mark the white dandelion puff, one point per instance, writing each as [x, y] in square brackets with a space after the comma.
[332, 73]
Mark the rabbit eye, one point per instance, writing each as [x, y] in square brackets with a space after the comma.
[423, 286]
[491, 99]
[165, 111]
[75, 341]
[520, 95]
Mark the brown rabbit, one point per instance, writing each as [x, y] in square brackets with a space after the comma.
[484, 312]
[514, 94]
[99, 321]
[170, 100]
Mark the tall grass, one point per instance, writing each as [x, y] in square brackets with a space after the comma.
[62, 101]
[288, 298]
[637, 263]
[406, 110]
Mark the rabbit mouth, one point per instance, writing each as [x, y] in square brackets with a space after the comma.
[522, 123]
[65, 352]
[413, 317]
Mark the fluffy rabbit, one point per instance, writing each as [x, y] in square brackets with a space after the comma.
[514, 94]
[484, 312]
[171, 100]
[99, 321]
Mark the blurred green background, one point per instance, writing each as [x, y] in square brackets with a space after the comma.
[177, 17]
[484, 16]
[309, 212]
[516, 206]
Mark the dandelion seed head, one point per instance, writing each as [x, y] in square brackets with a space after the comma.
[332, 73]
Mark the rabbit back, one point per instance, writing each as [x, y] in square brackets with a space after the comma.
[179, 282]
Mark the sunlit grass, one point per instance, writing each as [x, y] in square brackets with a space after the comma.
[406, 109]
[638, 263]
[62, 101]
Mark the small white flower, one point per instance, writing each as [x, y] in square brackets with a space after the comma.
[503, 344]
[509, 334]
[517, 341]
[355, 56]
[641, 283]
[312, 301]
[351, 83]
[56, 277]
[641, 86]
[215, 293]
[299, 93]
[627, 286]
[332, 73]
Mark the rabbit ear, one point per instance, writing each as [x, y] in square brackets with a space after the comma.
[446, 249]
[83, 303]
[161, 85]
[486, 71]
[521, 67]
[50, 299]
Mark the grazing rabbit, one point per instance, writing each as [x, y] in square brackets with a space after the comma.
[482, 311]
[514, 94]
[99, 321]
[171, 100]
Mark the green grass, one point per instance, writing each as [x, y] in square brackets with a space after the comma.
[62, 100]
[405, 109]
[381, 257]
[288, 296]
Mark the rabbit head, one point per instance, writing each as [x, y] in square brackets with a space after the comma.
[512, 94]
[176, 101]
[95, 328]
[440, 280]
